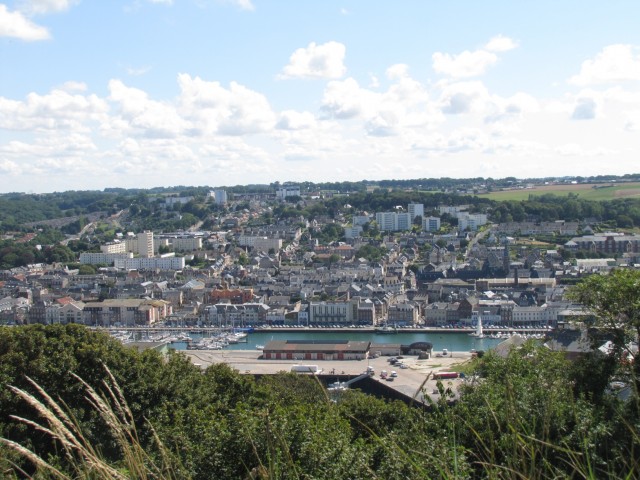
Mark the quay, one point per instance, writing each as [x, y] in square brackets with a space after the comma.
[411, 384]
[291, 328]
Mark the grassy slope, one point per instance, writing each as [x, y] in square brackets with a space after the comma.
[605, 191]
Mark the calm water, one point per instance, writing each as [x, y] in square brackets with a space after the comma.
[460, 342]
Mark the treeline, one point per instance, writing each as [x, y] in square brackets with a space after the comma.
[621, 213]
[532, 414]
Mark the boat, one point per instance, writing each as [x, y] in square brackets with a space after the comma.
[259, 347]
[386, 329]
[478, 333]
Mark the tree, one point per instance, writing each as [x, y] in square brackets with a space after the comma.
[614, 300]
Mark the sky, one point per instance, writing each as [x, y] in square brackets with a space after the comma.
[149, 93]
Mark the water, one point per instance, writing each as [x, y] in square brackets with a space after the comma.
[457, 342]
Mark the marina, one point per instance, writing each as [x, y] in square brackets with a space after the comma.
[257, 339]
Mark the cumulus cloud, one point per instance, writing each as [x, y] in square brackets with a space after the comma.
[234, 111]
[59, 109]
[615, 63]
[501, 44]
[139, 115]
[33, 7]
[16, 25]
[293, 120]
[464, 97]
[316, 61]
[471, 63]
[585, 109]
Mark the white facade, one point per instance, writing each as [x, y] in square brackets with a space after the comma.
[287, 191]
[115, 247]
[430, 224]
[352, 232]
[94, 258]
[394, 222]
[220, 196]
[162, 263]
[360, 219]
[471, 220]
[416, 209]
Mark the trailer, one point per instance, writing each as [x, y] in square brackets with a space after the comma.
[312, 369]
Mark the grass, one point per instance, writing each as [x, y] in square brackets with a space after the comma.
[604, 191]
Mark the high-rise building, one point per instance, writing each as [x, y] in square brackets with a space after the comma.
[145, 244]
[415, 210]
[220, 196]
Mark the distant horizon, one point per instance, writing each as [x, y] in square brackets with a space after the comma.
[139, 93]
[589, 179]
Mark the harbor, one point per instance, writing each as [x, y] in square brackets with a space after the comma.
[411, 382]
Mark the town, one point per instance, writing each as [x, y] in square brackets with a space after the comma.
[282, 258]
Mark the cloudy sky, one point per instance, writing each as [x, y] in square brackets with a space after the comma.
[144, 93]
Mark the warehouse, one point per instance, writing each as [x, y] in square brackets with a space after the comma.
[316, 350]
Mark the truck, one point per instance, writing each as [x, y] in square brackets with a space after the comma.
[312, 369]
[445, 375]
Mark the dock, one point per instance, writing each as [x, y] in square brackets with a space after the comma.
[409, 384]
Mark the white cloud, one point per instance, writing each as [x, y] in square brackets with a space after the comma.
[59, 109]
[615, 63]
[162, 2]
[293, 120]
[585, 109]
[501, 44]
[16, 25]
[136, 72]
[142, 116]
[472, 64]
[34, 7]
[213, 109]
[243, 4]
[464, 97]
[316, 61]
[465, 64]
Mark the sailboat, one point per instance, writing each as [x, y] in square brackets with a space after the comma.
[478, 333]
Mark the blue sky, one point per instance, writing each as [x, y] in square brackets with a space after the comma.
[144, 93]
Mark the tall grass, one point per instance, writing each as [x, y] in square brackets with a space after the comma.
[80, 458]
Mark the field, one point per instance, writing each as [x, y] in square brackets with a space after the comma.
[592, 191]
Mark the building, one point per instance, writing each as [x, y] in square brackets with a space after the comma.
[219, 196]
[471, 221]
[316, 350]
[287, 191]
[430, 224]
[145, 244]
[125, 312]
[155, 263]
[234, 296]
[95, 258]
[394, 222]
[415, 210]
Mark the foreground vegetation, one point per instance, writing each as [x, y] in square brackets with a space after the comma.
[531, 416]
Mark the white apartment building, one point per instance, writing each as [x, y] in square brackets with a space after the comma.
[331, 313]
[114, 247]
[162, 263]
[471, 220]
[452, 210]
[219, 196]
[352, 232]
[287, 191]
[416, 209]
[360, 219]
[260, 243]
[95, 258]
[430, 224]
[178, 244]
[393, 222]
